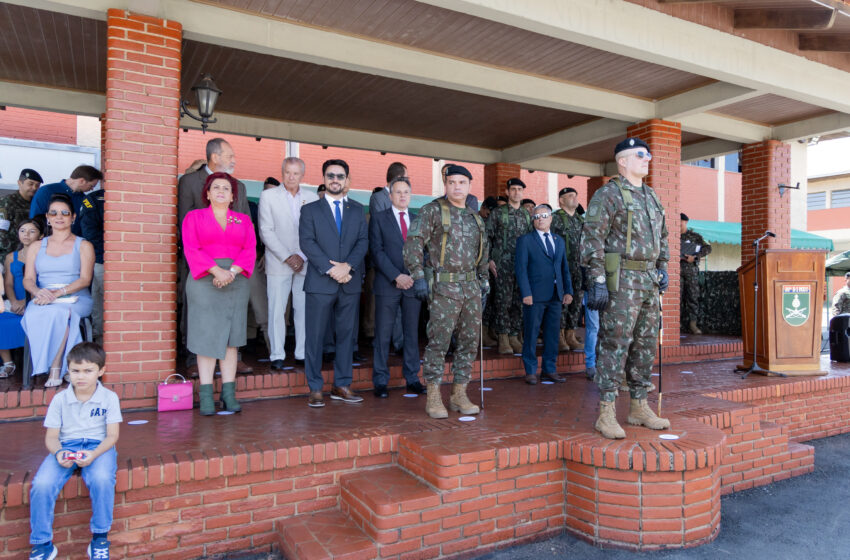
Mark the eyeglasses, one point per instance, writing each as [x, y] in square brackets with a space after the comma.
[337, 176]
[63, 212]
[644, 155]
[542, 216]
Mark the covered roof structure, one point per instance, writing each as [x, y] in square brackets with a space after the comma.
[545, 84]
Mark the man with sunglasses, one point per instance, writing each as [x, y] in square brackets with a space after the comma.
[624, 247]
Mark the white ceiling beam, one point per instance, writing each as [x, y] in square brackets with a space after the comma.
[708, 149]
[816, 126]
[725, 128]
[52, 99]
[564, 165]
[700, 100]
[567, 139]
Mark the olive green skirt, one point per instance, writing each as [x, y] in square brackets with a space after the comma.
[217, 317]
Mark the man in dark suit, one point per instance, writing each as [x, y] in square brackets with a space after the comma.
[543, 277]
[392, 287]
[333, 235]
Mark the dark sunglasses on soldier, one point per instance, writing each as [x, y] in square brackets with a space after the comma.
[641, 155]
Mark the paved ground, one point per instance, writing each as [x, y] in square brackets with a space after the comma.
[803, 517]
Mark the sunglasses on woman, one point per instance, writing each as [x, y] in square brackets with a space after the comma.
[56, 213]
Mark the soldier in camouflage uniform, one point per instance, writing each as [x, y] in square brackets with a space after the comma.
[841, 300]
[505, 225]
[694, 247]
[15, 208]
[567, 223]
[624, 247]
[457, 266]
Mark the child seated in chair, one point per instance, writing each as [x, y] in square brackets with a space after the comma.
[82, 428]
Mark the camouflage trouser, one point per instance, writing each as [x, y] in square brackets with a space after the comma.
[507, 305]
[689, 275]
[571, 314]
[628, 335]
[447, 315]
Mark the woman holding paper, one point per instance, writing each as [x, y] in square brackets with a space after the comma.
[58, 277]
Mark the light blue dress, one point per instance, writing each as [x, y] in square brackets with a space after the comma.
[45, 325]
[11, 333]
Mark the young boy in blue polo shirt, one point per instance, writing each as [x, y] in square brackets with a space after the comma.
[82, 428]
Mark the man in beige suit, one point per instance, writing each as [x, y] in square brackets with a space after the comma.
[220, 157]
[286, 265]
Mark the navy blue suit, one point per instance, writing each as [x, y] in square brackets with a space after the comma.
[385, 247]
[325, 297]
[546, 278]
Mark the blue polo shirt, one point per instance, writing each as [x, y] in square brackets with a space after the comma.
[78, 420]
[41, 201]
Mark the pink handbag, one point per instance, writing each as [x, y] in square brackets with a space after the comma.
[174, 396]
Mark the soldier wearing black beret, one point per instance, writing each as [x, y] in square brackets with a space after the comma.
[15, 208]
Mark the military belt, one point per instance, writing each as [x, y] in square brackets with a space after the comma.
[454, 276]
[642, 266]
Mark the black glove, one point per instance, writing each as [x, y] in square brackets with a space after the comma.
[663, 280]
[597, 296]
[420, 289]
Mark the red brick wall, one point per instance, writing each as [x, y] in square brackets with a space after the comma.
[142, 96]
[42, 126]
[665, 143]
[699, 192]
[496, 176]
[765, 165]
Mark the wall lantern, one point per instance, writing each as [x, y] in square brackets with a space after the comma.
[206, 94]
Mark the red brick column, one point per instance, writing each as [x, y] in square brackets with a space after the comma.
[140, 163]
[496, 175]
[594, 184]
[665, 143]
[765, 165]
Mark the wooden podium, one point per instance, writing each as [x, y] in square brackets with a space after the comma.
[791, 285]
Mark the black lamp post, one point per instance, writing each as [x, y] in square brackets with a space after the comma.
[206, 94]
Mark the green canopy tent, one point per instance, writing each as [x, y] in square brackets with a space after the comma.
[730, 233]
[838, 265]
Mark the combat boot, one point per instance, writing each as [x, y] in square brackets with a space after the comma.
[515, 344]
[694, 328]
[460, 402]
[505, 345]
[570, 339]
[434, 406]
[488, 340]
[641, 415]
[562, 343]
[607, 424]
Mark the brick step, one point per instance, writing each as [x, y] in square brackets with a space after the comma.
[388, 504]
[324, 535]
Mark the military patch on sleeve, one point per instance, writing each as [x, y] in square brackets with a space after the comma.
[87, 204]
[4, 224]
[592, 213]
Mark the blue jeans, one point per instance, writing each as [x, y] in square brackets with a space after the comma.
[51, 477]
[591, 325]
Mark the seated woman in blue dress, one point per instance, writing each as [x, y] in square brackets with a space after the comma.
[57, 277]
[11, 333]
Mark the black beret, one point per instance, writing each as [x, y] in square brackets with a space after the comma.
[566, 190]
[501, 198]
[630, 143]
[322, 188]
[378, 189]
[272, 181]
[526, 201]
[490, 202]
[458, 170]
[683, 217]
[30, 174]
[515, 181]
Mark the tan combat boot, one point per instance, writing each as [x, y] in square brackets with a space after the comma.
[505, 345]
[606, 424]
[694, 328]
[562, 343]
[460, 402]
[516, 345]
[570, 339]
[434, 406]
[641, 415]
[488, 340]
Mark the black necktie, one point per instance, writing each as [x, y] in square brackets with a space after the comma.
[550, 249]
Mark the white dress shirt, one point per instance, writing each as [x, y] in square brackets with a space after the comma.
[398, 218]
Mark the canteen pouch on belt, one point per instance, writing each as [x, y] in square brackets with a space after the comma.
[429, 277]
[612, 271]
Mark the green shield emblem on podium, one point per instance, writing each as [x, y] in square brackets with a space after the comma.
[796, 304]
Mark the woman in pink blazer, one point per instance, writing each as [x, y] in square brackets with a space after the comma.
[220, 248]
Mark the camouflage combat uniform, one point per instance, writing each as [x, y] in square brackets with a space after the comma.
[569, 227]
[628, 332]
[453, 305]
[504, 226]
[692, 243]
[841, 301]
[13, 210]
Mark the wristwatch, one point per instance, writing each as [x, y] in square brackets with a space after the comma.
[600, 279]
[233, 270]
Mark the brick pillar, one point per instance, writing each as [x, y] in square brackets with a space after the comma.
[764, 165]
[140, 162]
[496, 175]
[594, 184]
[665, 143]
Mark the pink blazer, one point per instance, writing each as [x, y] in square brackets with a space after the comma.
[204, 241]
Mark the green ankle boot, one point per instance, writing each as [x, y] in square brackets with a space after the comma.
[228, 397]
[207, 403]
